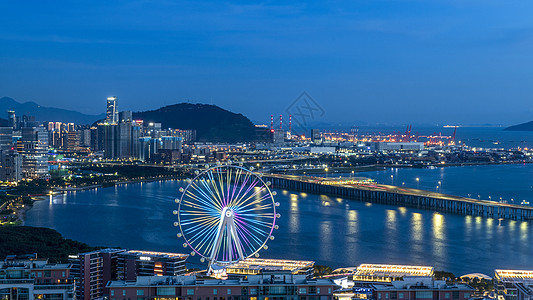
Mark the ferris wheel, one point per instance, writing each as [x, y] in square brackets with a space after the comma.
[226, 214]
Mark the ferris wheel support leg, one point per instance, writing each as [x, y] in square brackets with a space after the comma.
[218, 237]
[233, 231]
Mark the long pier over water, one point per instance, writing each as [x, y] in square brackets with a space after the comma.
[386, 194]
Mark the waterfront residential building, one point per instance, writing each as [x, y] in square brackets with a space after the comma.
[30, 278]
[421, 288]
[514, 284]
[93, 270]
[274, 286]
[133, 263]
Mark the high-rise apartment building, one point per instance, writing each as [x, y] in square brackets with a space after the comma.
[10, 165]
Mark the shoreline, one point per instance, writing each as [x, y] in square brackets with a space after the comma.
[21, 213]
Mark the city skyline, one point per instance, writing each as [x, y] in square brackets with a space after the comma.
[370, 62]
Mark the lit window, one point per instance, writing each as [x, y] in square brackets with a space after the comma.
[229, 291]
[318, 290]
[400, 295]
[123, 292]
[447, 295]
[214, 291]
[112, 292]
[190, 291]
[303, 291]
[140, 292]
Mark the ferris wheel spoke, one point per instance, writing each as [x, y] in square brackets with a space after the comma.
[203, 198]
[257, 224]
[204, 233]
[192, 206]
[242, 185]
[212, 188]
[209, 196]
[249, 236]
[243, 202]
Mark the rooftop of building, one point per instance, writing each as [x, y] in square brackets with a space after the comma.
[378, 270]
[106, 250]
[32, 264]
[514, 275]
[153, 254]
[271, 264]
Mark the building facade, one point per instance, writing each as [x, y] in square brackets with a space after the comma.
[268, 286]
[31, 278]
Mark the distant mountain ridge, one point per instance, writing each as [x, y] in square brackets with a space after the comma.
[521, 127]
[211, 122]
[43, 113]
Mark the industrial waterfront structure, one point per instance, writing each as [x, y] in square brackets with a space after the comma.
[402, 197]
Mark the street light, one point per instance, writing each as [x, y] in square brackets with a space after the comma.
[326, 169]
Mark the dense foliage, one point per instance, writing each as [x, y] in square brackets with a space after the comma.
[211, 122]
[47, 243]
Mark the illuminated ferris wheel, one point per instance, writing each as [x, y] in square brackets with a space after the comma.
[226, 214]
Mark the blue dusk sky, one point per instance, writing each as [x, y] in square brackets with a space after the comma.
[363, 61]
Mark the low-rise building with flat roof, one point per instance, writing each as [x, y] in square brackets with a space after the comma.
[270, 286]
[255, 266]
[514, 284]
[389, 273]
[31, 278]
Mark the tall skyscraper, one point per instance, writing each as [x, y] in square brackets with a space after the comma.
[11, 119]
[34, 150]
[112, 110]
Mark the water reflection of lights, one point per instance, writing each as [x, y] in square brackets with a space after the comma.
[284, 192]
[391, 219]
[523, 231]
[402, 210]
[368, 204]
[438, 226]
[325, 233]
[325, 200]
[294, 202]
[416, 227]
[391, 231]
